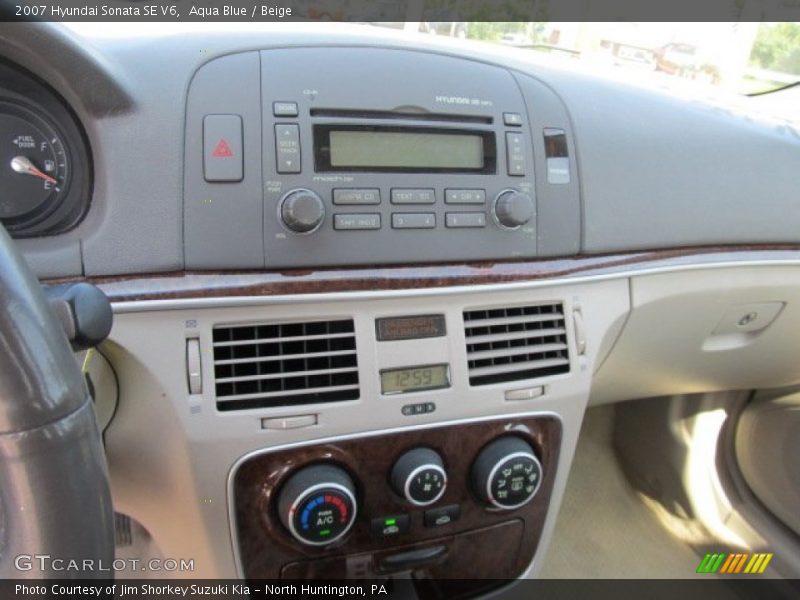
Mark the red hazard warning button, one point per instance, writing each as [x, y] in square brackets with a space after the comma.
[222, 148]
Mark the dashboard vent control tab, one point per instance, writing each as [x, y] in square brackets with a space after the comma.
[285, 364]
[514, 343]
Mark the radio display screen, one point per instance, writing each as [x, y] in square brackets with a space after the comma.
[415, 379]
[400, 149]
[397, 149]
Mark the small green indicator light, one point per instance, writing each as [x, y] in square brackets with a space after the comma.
[324, 532]
[390, 522]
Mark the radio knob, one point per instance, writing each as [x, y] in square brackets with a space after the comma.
[302, 211]
[419, 476]
[318, 504]
[513, 208]
[506, 474]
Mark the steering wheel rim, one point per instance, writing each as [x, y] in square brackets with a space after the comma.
[54, 494]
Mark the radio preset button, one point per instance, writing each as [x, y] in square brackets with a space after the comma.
[457, 220]
[413, 196]
[285, 109]
[351, 222]
[357, 196]
[515, 154]
[512, 119]
[413, 221]
[287, 147]
[464, 196]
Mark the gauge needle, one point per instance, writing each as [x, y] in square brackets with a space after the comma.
[22, 164]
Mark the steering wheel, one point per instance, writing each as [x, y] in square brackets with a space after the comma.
[56, 516]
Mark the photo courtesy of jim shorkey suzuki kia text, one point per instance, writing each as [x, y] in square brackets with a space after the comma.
[193, 590]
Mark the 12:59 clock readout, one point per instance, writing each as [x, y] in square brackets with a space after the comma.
[415, 379]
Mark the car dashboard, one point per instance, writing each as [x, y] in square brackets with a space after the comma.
[365, 288]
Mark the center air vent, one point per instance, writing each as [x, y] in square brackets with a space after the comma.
[285, 364]
[523, 342]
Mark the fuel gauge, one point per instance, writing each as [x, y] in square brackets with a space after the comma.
[34, 166]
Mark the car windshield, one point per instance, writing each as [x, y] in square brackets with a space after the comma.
[741, 58]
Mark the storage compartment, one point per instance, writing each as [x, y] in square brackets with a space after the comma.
[446, 567]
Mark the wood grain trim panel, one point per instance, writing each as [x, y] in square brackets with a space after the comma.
[266, 548]
[200, 284]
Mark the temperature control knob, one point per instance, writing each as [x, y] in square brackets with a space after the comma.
[419, 476]
[506, 473]
[318, 504]
[512, 209]
[302, 211]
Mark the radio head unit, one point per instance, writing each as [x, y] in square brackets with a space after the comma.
[365, 158]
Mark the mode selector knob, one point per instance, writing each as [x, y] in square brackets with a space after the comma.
[419, 476]
[512, 209]
[302, 211]
[317, 504]
[506, 474]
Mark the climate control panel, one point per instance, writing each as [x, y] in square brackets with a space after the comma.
[424, 489]
[317, 504]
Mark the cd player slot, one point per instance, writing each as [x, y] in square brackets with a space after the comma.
[399, 115]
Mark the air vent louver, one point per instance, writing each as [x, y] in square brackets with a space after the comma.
[285, 364]
[523, 342]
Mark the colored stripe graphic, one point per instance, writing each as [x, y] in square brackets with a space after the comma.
[754, 563]
[767, 558]
[718, 563]
[731, 564]
[727, 564]
[737, 558]
[703, 568]
[742, 560]
[734, 562]
[711, 563]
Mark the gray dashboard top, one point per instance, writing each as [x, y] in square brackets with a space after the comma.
[656, 170]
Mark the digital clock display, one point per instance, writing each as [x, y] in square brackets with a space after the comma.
[415, 379]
